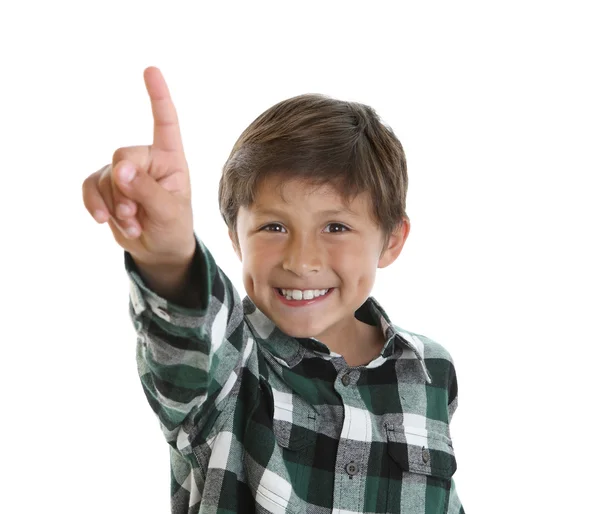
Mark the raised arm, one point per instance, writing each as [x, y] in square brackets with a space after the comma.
[185, 311]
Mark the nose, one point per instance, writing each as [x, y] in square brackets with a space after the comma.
[302, 255]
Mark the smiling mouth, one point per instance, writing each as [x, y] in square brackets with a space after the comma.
[305, 297]
[322, 291]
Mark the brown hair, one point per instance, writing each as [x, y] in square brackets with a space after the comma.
[325, 141]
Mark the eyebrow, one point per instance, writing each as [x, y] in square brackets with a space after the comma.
[329, 212]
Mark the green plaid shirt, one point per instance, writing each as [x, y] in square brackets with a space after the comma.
[258, 421]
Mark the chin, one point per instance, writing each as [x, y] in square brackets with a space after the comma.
[298, 332]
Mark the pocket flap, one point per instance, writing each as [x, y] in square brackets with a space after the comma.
[294, 425]
[421, 451]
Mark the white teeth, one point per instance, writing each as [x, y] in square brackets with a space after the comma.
[297, 294]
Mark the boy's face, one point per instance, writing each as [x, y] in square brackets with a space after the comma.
[290, 238]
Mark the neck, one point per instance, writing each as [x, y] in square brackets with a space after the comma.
[361, 344]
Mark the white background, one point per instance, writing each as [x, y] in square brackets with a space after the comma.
[497, 106]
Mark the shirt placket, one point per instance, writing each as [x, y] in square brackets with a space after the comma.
[352, 454]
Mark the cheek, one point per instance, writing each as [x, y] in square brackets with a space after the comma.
[258, 260]
[356, 265]
[356, 258]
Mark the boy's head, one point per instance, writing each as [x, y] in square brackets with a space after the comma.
[300, 158]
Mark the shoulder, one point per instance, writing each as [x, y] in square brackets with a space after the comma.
[436, 358]
[431, 349]
[439, 364]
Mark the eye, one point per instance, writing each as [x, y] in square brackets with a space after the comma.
[266, 228]
[339, 228]
[335, 228]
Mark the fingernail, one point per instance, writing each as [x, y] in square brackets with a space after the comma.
[132, 231]
[123, 210]
[126, 173]
[99, 216]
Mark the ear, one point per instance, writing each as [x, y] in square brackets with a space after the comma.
[394, 246]
[235, 244]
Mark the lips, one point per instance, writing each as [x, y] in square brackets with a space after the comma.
[303, 288]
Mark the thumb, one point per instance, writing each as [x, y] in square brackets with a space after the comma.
[143, 189]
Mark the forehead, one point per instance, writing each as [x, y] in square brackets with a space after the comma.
[284, 192]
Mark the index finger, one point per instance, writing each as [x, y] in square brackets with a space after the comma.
[167, 135]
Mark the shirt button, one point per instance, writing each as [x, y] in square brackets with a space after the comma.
[352, 468]
[346, 380]
[162, 313]
[425, 455]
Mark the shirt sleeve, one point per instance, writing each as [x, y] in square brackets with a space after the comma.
[454, 503]
[452, 392]
[187, 358]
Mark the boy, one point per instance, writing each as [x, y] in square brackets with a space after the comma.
[303, 397]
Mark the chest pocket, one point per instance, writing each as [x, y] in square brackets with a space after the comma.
[421, 465]
[294, 425]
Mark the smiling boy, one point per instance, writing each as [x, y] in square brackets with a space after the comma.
[304, 396]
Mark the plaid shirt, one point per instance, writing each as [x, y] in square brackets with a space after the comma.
[258, 421]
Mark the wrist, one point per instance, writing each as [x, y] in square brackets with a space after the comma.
[171, 280]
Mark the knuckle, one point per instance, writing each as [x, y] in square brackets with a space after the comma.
[90, 180]
[119, 155]
[89, 192]
[129, 153]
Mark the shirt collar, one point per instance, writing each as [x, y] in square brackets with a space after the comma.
[289, 351]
